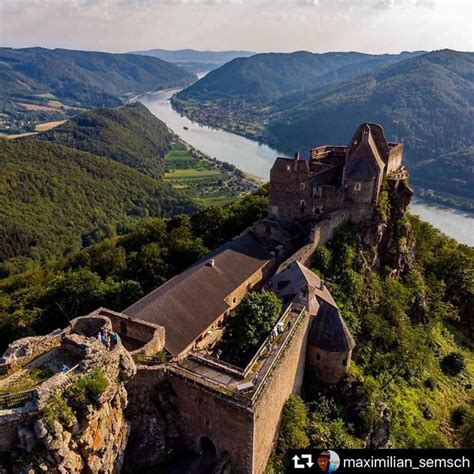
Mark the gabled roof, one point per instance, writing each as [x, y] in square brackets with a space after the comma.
[192, 301]
[299, 276]
[329, 331]
[361, 169]
[363, 156]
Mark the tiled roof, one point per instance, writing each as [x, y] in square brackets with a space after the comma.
[329, 331]
[192, 301]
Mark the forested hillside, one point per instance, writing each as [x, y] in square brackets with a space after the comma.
[53, 198]
[414, 350]
[131, 135]
[298, 101]
[430, 96]
[265, 77]
[41, 84]
[38, 297]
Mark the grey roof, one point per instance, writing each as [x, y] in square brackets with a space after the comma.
[329, 331]
[192, 301]
[362, 169]
[297, 276]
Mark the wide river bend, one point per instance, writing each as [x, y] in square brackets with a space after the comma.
[256, 159]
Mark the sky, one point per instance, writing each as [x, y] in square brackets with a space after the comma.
[373, 26]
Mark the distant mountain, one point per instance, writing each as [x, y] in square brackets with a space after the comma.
[57, 193]
[431, 96]
[38, 83]
[131, 135]
[266, 77]
[300, 100]
[197, 61]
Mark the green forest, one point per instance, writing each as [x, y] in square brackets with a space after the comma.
[413, 341]
[414, 349]
[96, 176]
[40, 84]
[36, 297]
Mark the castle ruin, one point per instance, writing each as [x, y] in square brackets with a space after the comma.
[232, 413]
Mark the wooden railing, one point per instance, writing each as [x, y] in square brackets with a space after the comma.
[289, 337]
[14, 400]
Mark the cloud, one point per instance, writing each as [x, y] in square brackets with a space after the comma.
[390, 4]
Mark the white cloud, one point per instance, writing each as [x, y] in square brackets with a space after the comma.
[256, 25]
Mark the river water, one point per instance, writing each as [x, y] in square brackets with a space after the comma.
[256, 159]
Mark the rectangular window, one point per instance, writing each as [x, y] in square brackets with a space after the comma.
[357, 187]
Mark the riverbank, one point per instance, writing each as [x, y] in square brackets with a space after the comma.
[257, 159]
[251, 126]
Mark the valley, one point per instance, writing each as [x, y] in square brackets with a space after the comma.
[422, 99]
[256, 159]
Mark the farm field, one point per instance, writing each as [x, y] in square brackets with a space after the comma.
[210, 182]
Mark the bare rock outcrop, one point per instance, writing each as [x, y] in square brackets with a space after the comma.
[379, 436]
[76, 421]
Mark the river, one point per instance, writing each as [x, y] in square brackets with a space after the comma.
[256, 159]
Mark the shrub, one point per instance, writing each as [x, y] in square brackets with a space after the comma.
[57, 410]
[458, 416]
[91, 385]
[453, 363]
[294, 424]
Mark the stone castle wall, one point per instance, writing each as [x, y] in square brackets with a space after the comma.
[204, 413]
[329, 367]
[286, 379]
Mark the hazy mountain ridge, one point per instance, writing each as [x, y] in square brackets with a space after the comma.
[268, 76]
[430, 95]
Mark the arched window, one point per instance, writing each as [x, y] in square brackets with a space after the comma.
[302, 186]
[302, 206]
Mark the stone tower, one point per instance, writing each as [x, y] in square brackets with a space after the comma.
[330, 345]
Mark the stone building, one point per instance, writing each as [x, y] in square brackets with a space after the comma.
[330, 345]
[335, 177]
[193, 306]
[330, 342]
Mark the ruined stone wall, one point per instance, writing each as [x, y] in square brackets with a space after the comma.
[364, 194]
[286, 379]
[394, 158]
[143, 331]
[329, 367]
[205, 413]
[288, 187]
[324, 230]
[331, 199]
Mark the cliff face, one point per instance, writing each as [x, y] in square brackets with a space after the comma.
[387, 238]
[75, 422]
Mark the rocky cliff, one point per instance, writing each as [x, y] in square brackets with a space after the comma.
[75, 420]
[386, 238]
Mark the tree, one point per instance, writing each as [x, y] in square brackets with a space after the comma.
[254, 318]
[294, 425]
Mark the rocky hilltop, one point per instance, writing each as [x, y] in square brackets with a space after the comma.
[72, 421]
